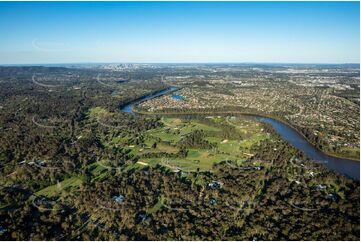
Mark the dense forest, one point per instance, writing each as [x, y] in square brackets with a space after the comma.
[68, 170]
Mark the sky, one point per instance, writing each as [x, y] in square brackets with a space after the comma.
[178, 32]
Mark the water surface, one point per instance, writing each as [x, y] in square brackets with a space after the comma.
[129, 107]
[178, 97]
[349, 168]
[346, 167]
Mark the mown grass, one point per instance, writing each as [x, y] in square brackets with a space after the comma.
[203, 159]
[348, 152]
[58, 188]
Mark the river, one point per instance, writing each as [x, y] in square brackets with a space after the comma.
[349, 168]
[346, 167]
[129, 107]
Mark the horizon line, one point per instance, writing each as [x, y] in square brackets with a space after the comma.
[222, 62]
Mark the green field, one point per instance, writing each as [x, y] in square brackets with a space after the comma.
[174, 129]
[97, 112]
[166, 138]
[58, 188]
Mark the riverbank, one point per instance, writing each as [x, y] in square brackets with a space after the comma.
[245, 114]
[345, 166]
[128, 106]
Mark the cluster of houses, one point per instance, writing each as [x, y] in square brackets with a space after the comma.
[301, 106]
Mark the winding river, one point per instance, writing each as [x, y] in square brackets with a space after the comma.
[349, 168]
[346, 167]
[129, 107]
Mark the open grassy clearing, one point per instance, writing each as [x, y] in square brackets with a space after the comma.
[98, 112]
[58, 188]
[156, 207]
[348, 152]
[165, 140]
[173, 131]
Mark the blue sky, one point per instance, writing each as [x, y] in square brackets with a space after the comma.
[288, 32]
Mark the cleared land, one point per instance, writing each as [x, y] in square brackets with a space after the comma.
[225, 149]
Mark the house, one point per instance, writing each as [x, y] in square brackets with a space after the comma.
[320, 187]
[258, 168]
[212, 201]
[182, 172]
[176, 170]
[215, 185]
[119, 199]
[333, 196]
[141, 217]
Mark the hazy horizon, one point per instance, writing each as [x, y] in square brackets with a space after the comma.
[175, 63]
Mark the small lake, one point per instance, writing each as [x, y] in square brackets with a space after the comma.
[349, 168]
